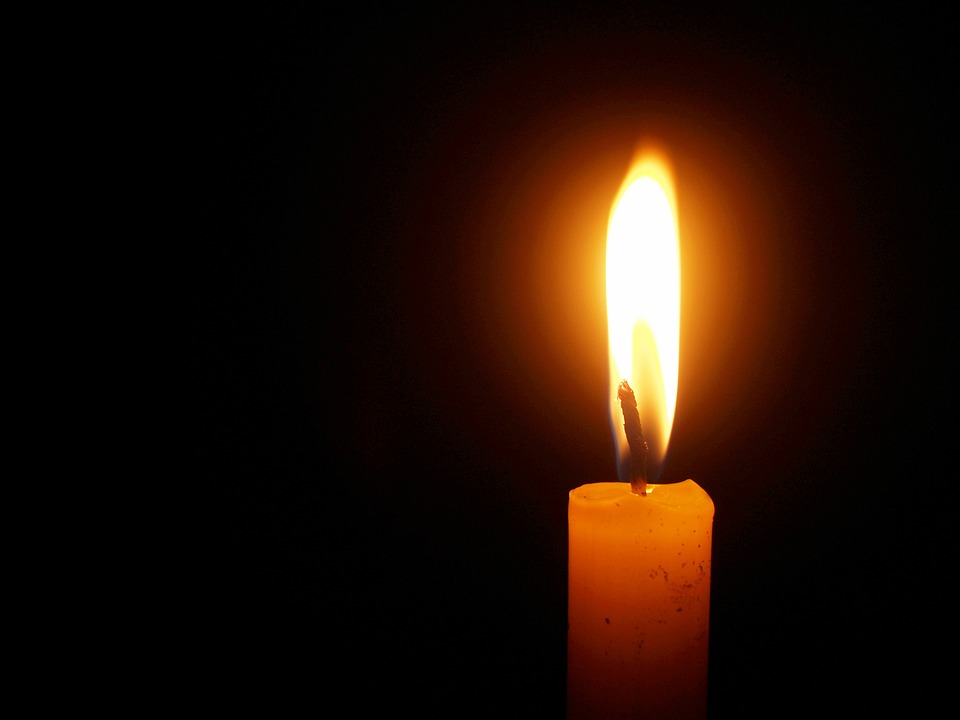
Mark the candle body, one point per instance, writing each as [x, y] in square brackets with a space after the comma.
[638, 601]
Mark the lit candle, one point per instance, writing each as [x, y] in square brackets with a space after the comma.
[639, 552]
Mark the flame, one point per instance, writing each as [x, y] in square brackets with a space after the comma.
[643, 307]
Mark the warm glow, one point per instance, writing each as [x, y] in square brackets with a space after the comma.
[643, 306]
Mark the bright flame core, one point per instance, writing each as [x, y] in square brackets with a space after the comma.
[643, 308]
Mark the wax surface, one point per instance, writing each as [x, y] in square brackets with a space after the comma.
[639, 601]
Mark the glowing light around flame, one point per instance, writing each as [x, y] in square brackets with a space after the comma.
[643, 307]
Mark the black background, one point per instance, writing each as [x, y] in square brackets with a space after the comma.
[396, 364]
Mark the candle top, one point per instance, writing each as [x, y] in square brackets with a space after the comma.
[682, 497]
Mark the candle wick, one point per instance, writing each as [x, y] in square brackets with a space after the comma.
[634, 432]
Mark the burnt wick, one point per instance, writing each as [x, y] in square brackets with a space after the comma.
[634, 432]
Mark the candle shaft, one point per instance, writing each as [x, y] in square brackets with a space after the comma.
[639, 601]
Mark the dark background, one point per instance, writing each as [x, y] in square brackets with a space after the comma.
[396, 364]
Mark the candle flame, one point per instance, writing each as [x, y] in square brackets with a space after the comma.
[643, 307]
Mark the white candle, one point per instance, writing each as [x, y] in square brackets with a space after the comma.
[639, 553]
[639, 601]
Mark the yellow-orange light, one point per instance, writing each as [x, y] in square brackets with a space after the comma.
[643, 306]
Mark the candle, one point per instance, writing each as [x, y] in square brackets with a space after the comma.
[639, 601]
[639, 551]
